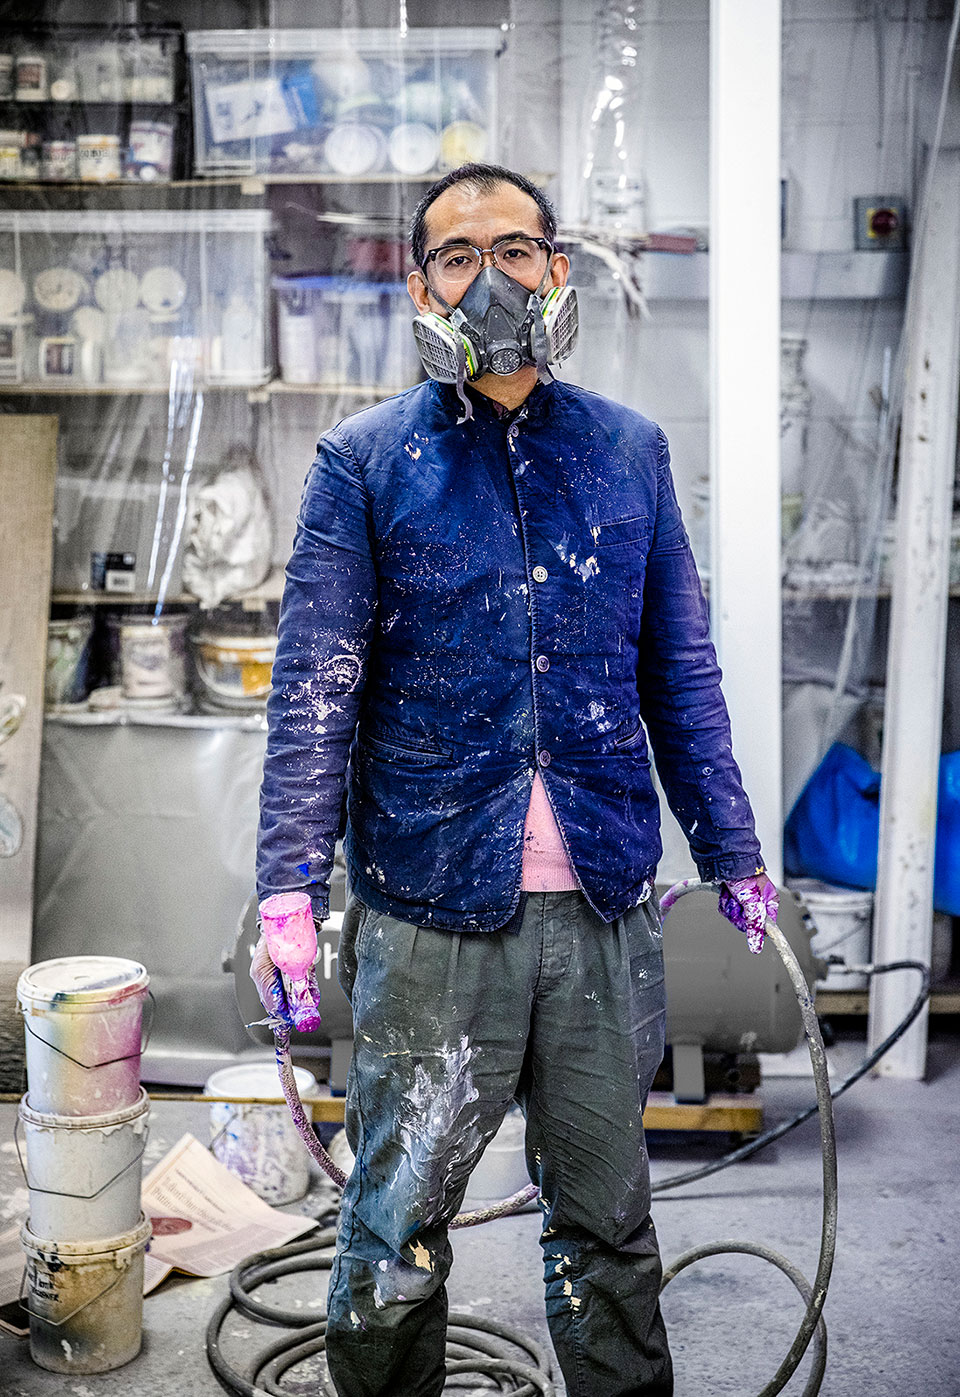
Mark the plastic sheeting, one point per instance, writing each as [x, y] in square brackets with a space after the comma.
[145, 849]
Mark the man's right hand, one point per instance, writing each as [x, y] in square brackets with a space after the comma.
[269, 983]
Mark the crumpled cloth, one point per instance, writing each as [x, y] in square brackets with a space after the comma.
[229, 536]
[749, 903]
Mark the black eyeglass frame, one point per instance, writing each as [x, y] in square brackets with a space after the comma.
[435, 252]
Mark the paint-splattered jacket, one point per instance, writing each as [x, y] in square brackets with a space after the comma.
[466, 604]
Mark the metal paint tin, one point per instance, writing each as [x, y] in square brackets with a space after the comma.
[83, 1172]
[68, 644]
[98, 158]
[259, 1143]
[152, 656]
[151, 149]
[85, 1300]
[31, 77]
[234, 670]
[6, 76]
[83, 1018]
[59, 160]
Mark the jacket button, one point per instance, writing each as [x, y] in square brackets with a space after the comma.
[542, 663]
[544, 758]
[540, 573]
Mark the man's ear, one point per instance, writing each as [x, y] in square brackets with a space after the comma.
[559, 269]
[419, 292]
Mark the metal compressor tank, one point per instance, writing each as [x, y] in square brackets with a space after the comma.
[720, 998]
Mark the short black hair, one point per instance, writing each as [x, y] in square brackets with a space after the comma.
[484, 178]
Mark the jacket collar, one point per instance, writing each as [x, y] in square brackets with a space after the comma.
[538, 401]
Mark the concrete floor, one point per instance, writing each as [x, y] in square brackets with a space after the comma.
[891, 1312]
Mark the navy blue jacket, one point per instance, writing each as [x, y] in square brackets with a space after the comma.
[467, 604]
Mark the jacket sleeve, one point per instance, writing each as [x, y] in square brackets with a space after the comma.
[323, 645]
[681, 703]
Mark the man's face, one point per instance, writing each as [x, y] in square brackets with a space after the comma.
[466, 214]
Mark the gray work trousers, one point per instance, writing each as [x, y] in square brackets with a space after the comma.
[562, 1012]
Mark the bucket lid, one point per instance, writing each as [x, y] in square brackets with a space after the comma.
[256, 1079]
[48, 1118]
[48, 1247]
[81, 980]
[256, 644]
[830, 897]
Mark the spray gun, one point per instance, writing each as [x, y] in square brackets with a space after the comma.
[286, 970]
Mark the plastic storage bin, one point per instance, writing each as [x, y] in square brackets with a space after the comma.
[357, 103]
[133, 298]
[341, 332]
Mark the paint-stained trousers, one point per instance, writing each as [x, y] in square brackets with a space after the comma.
[564, 1013]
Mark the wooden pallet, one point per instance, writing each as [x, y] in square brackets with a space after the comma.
[944, 999]
[721, 1111]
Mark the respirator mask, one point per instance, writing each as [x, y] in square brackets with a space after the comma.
[499, 324]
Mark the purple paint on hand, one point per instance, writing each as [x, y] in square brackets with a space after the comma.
[749, 903]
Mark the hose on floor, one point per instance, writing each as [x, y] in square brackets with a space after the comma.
[476, 1348]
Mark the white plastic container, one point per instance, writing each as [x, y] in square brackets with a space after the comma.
[267, 100]
[85, 1300]
[83, 1172]
[83, 1019]
[843, 918]
[257, 1142]
[209, 251]
[342, 331]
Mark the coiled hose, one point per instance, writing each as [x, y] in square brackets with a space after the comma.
[478, 1347]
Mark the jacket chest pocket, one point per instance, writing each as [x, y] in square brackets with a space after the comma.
[615, 590]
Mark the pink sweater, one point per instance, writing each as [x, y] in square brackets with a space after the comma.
[546, 865]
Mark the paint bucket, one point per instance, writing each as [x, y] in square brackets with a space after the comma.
[68, 646]
[234, 670]
[83, 1172]
[502, 1168]
[83, 1019]
[260, 1143]
[152, 651]
[85, 1300]
[843, 918]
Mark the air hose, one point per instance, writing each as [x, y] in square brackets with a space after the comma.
[463, 1339]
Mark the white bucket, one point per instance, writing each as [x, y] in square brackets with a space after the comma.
[85, 1300]
[501, 1170]
[843, 918]
[152, 656]
[83, 1019]
[260, 1143]
[235, 670]
[83, 1172]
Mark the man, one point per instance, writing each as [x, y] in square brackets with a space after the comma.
[491, 601]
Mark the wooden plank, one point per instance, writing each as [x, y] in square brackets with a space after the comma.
[720, 1111]
[28, 468]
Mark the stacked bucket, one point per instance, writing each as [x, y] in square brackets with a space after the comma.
[84, 1125]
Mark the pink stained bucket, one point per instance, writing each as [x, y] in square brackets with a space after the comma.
[83, 1017]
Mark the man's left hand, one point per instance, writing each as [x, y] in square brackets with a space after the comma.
[749, 903]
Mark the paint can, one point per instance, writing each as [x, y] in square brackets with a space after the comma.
[98, 157]
[234, 670]
[502, 1168]
[85, 1300]
[83, 1172]
[259, 1142]
[68, 644]
[83, 1019]
[59, 160]
[843, 918]
[152, 656]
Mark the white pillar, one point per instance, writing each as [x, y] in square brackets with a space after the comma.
[913, 717]
[745, 392]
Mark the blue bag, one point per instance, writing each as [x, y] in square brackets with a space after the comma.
[833, 831]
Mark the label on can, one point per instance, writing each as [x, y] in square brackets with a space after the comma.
[151, 148]
[98, 157]
[6, 76]
[31, 78]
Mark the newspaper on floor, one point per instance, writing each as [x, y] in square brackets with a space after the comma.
[204, 1218]
[13, 1318]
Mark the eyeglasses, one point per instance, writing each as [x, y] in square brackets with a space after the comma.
[524, 259]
